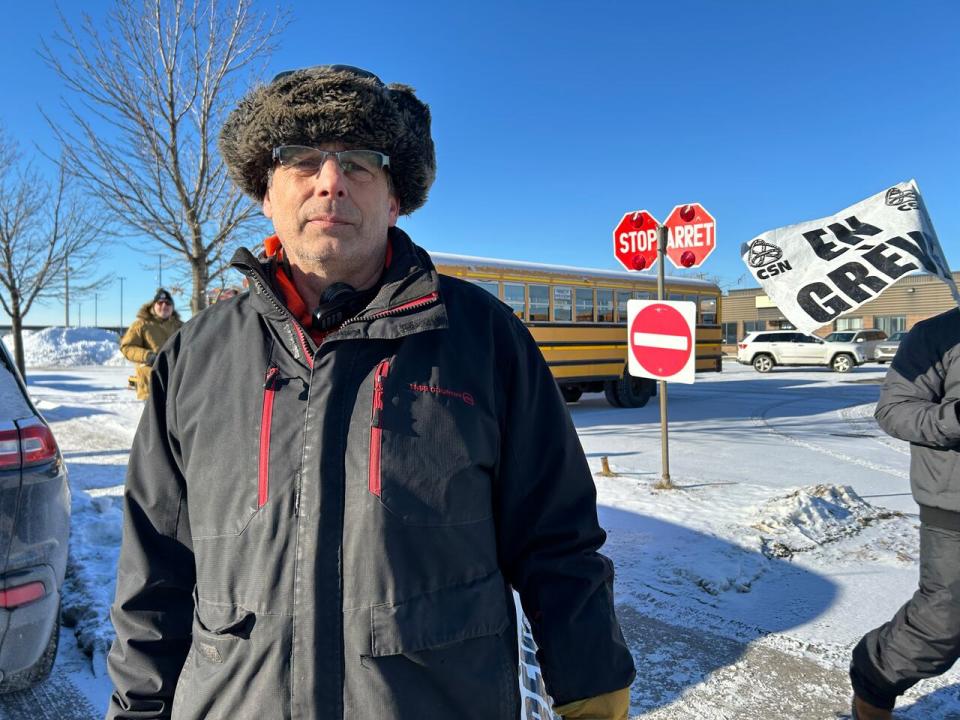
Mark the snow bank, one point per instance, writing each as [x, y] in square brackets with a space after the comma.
[69, 347]
[814, 516]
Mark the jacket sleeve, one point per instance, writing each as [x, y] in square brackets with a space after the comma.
[153, 608]
[912, 405]
[133, 344]
[548, 535]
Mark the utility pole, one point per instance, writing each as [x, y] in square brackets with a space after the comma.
[79, 314]
[121, 300]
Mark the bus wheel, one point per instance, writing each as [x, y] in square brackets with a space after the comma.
[634, 392]
[610, 392]
[571, 393]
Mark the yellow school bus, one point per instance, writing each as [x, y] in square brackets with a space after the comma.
[578, 317]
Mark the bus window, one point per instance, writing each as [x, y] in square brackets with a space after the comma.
[708, 310]
[675, 297]
[584, 297]
[641, 295]
[605, 306]
[539, 303]
[491, 286]
[562, 304]
[513, 296]
[622, 298]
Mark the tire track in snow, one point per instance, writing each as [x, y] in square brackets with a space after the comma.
[763, 418]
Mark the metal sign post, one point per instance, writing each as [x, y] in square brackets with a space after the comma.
[664, 434]
[662, 345]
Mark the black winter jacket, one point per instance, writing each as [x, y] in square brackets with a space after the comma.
[333, 532]
[919, 404]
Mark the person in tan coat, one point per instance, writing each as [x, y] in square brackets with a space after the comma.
[156, 322]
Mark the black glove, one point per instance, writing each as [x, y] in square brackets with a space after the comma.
[151, 356]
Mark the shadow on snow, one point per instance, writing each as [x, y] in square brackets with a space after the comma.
[689, 602]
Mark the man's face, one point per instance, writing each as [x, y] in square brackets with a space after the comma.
[329, 224]
[162, 309]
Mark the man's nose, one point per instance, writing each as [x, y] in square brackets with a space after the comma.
[330, 181]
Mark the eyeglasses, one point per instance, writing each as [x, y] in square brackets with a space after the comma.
[359, 72]
[164, 302]
[357, 165]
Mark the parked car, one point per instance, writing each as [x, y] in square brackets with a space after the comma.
[34, 530]
[888, 348]
[764, 350]
[868, 338]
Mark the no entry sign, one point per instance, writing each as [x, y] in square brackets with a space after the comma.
[662, 340]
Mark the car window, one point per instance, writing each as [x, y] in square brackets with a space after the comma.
[898, 336]
[12, 403]
[806, 338]
[839, 337]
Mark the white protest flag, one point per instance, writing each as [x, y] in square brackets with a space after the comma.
[817, 270]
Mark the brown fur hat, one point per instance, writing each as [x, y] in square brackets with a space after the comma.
[331, 103]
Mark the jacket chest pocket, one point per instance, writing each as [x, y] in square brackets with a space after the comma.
[245, 467]
[430, 460]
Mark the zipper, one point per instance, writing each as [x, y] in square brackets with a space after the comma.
[296, 326]
[417, 304]
[266, 420]
[303, 343]
[376, 417]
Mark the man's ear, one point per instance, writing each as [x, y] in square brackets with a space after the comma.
[267, 207]
[394, 209]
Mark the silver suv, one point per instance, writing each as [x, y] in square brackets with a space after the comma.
[886, 350]
[868, 338]
[766, 349]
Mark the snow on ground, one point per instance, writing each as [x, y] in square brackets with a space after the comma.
[790, 532]
[69, 347]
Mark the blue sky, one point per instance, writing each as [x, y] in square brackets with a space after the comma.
[553, 119]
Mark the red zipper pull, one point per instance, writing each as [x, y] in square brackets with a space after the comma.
[383, 369]
[270, 380]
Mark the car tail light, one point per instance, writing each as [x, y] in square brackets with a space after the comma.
[31, 445]
[21, 595]
[742, 346]
[37, 445]
[9, 449]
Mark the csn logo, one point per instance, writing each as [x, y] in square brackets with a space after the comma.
[766, 256]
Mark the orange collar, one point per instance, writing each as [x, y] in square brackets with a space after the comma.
[291, 297]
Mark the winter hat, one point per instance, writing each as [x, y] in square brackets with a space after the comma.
[331, 103]
[163, 295]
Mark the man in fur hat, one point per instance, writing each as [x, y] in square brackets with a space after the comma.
[342, 476]
[156, 322]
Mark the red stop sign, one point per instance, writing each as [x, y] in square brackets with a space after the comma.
[691, 235]
[660, 340]
[635, 240]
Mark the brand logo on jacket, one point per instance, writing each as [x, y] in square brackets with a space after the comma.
[466, 397]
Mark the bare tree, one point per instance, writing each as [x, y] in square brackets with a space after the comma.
[150, 92]
[42, 229]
